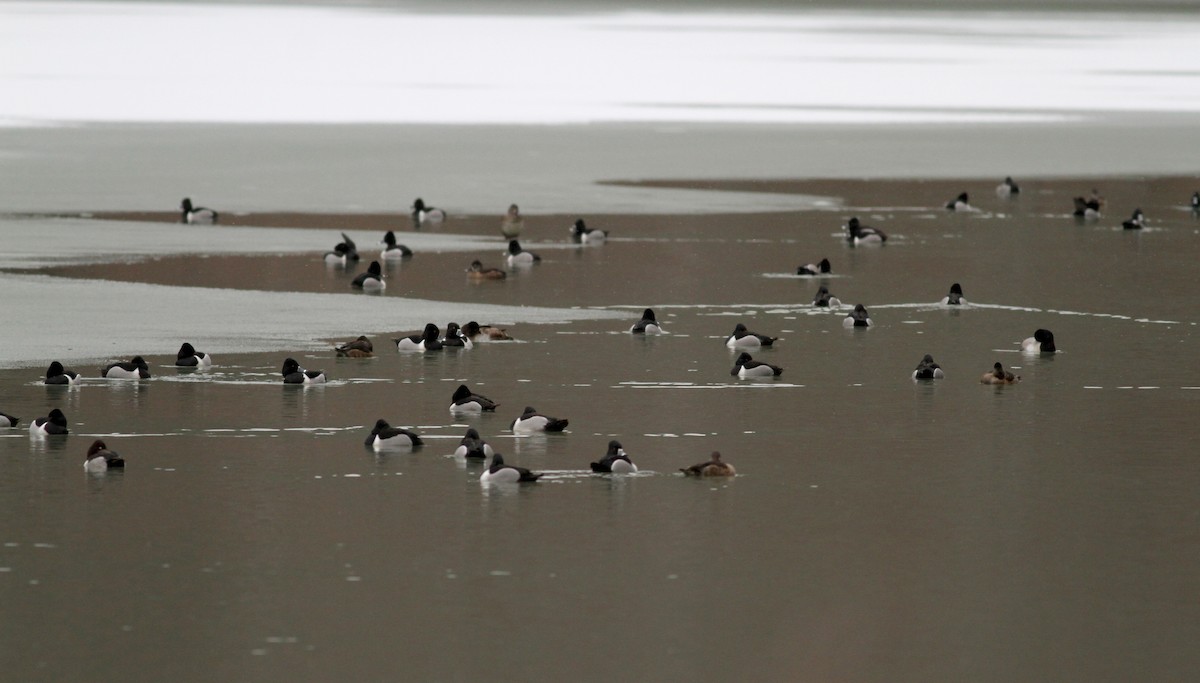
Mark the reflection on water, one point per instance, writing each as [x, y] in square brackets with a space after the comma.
[879, 529]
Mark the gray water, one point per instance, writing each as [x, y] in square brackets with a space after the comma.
[879, 529]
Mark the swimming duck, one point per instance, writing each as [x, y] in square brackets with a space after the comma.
[7, 420]
[741, 338]
[372, 280]
[499, 473]
[533, 421]
[858, 317]
[477, 272]
[476, 332]
[455, 339]
[822, 268]
[857, 233]
[955, 297]
[54, 424]
[100, 459]
[473, 447]
[1042, 341]
[386, 437]
[647, 325]
[583, 233]
[1135, 221]
[134, 368]
[999, 375]
[615, 461]
[465, 401]
[294, 374]
[1196, 202]
[714, 467]
[196, 215]
[1007, 188]
[513, 223]
[393, 251]
[519, 257]
[426, 341]
[960, 203]
[359, 348]
[1087, 208]
[426, 214]
[745, 366]
[824, 299]
[57, 374]
[343, 252]
[927, 369]
[189, 357]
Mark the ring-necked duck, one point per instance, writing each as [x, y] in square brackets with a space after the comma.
[615, 461]
[533, 421]
[499, 473]
[713, 467]
[196, 215]
[647, 325]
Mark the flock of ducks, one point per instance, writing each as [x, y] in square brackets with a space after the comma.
[383, 436]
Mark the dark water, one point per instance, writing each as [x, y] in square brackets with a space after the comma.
[879, 529]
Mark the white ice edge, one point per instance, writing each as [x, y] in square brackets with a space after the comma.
[123, 62]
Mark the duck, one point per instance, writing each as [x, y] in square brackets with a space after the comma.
[1007, 188]
[745, 366]
[196, 215]
[586, 235]
[533, 421]
[427, 340]
[466, 401]
[822, 268]
[100, 459]
[134, 368]
[647, 325]
[615, 461]
[1135, 221]
[54, 424]
[392, 251]
[1088, 208]
[359, 348]
[499, 473]
[1042, 341]
[189, 357]
[858, 317]
[955, 297]
[476, 332]
[426, 214]
[455, 339]
[473, 447]
[999, 375]
[7, 420]
[824, 299]
[476, 271]
[713, 467]
[928, 369]
[742, 338]
[343, 252]
[294, 374]
[519, 257]
[57, 374]
[386, 437]
[1196, 202]
[513, 223]
[372, 280]
[960, 203]
[857, 233]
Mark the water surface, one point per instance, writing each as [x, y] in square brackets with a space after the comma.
[879, 529]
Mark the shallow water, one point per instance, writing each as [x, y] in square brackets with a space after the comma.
[879, 529]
